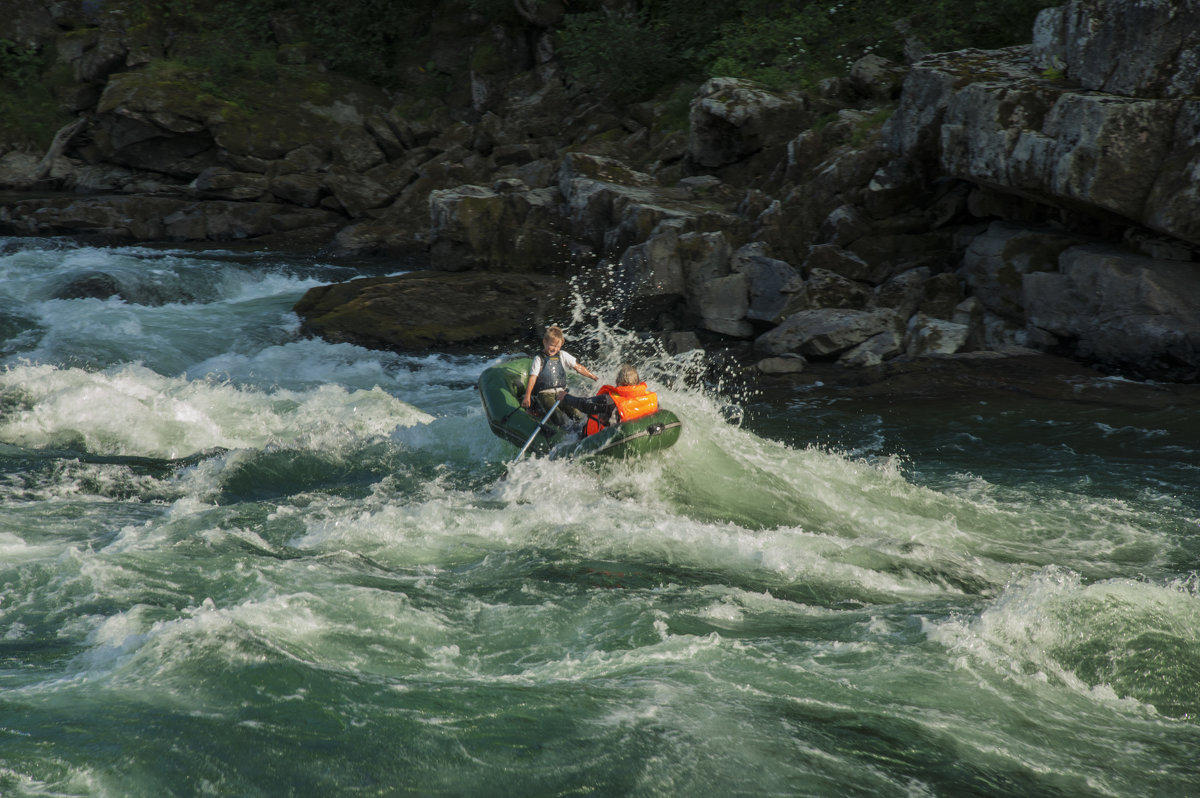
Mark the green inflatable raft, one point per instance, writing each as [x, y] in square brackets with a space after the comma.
[501, 387]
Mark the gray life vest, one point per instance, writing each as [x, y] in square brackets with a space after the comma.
[552, 376]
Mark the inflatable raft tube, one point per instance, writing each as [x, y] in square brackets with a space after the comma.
[500, 388]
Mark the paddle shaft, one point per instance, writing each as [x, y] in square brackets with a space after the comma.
[549, 413]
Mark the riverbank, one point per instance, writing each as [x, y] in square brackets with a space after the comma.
[981, 376]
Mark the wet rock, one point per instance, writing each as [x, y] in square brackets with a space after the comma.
[420, 311]
[782, 364]
[773, 286]
[90, 285]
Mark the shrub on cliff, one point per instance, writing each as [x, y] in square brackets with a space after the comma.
[28, 112]
[779, 43]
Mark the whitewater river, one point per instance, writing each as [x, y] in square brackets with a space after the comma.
[237, 562]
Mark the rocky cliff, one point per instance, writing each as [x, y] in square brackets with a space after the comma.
[1041, 197]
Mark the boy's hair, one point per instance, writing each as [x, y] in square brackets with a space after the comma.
[627, 375]
[555, 333]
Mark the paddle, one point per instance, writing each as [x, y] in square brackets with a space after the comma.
[549, 413]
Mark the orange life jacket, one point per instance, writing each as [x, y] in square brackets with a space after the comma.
[632, 401]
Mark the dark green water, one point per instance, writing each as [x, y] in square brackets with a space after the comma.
[237, 562]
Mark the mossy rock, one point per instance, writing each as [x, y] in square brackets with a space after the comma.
[245, 116]
[420, 311]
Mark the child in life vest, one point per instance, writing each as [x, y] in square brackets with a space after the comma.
[548, 373]
[627, 400]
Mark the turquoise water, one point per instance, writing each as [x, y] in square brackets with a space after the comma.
[234, 561]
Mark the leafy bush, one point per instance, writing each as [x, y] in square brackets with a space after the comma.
[779, 43]
[29, 114]
[18, 65]
[626, 57]
[364, 38]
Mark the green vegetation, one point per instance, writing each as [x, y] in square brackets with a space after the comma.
[29, 114]
[364, 38]
[778, 43]
[650, 48]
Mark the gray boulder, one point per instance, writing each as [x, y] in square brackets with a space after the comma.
[926, 335]
[733, 119]
[1126, 310]
[1149, 48]
[217, 182]
[990, 118]
[502, 228]
[996, 262]
[435, 310]
[772, 285]
[651, 273]
[824, 331]
[782, 364]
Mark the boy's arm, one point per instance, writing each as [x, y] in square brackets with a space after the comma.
[525, 400]
[582, 369]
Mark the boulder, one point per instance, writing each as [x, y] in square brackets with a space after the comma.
[835, 259]
[925, 336]
[649, 275]
[504, 228]
[942, 294]
[217, 182]
[791, 225]
[996, 262]
[1150, 48]
[903, 293]
[824, 331]
[598, 191]
[989, 117]
[873, 351]
[299, 189]
[154, 119]
[419, 311]
[782, 364]
[356, 193]
[721, 305]
[1128, 311]
[732, 119]
[825, 289]
[18, 170]
[877, 78]
[772, 285]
